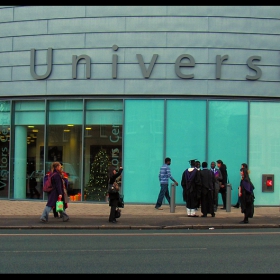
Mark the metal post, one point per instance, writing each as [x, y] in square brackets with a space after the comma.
[228, 203]
[172, 198]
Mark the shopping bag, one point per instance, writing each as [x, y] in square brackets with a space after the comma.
[59, 206]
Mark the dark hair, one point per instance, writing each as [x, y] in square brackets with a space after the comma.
[244, 165]
[219, 161]
[167, 159]
[204, 164]
[245, 174]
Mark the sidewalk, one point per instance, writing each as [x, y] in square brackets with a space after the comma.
[16, 214]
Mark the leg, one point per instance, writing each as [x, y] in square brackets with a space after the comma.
[167, 196]
[161, 195]
[224, 198]
[55, 214]
[112, 217]
[64, 216]
[45, 214]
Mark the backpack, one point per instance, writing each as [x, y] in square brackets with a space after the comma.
[48, 187]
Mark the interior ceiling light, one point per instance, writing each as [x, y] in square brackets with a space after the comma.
[88, 128]
[35, 130]
[70, 124]
[31, 126]
[66, 130]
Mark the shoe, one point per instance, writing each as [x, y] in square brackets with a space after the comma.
[65, 219]
[114, 221]
[223, 208]
[244, 222]
[189, 215]
[159, 208]
[203, 216]
[213, 215]
[43, 220]
[194, 216]
[236, 206]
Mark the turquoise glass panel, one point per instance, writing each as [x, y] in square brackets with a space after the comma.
[143, 149]
[66, 112]
[29, 112]
[264, 149]
[185, 137]
[228, 138]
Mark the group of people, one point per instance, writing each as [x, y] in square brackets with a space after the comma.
[202, 185]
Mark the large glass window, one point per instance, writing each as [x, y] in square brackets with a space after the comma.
[144, 143]
[4, 147]
[28, 137]
[64, 140]
[103, 146]
[264, 148]
[228, 138]
[185, 136]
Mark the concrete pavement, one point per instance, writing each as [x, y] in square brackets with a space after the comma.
[25, 214]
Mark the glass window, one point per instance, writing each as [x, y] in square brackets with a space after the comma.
[228, 138]
[5, 123]
[103, 145]
[29, 136]
[64, 140]
[144, 143]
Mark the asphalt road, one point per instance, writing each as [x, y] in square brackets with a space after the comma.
[140, 251]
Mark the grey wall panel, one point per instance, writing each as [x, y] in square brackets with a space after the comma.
[224, 11]
[80, 25]
[244, 25]
[265, 11]
[5, 73]
[223, 40]
[30, 88]
[23, 28]
[6, 14]
[49, 41]
[142, 39]
[165, 55]
[239, 56]
[65, 87]
[99, 11]
[6, 44]
[244, 88]
[48, 12]
[167, 24]
[166, 87]
[15, 58]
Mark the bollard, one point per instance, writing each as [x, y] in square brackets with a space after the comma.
[228, 202]
[172, 198]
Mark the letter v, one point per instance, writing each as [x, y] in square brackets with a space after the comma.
[146, 73]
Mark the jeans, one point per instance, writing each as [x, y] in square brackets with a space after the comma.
[47, 210]
[164, 192]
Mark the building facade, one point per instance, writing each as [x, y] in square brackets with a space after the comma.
[93, 86]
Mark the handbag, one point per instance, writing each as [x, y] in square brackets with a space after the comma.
[120, 201]
[117, 213]
[59, 206]
[114, 188]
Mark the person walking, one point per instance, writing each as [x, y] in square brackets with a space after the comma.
[207, 188]
[243, 165]
[113, 196]
[218, 177]
[246, 194]
[223, 182]
[191, 184]
[164, 176]
[56, 193]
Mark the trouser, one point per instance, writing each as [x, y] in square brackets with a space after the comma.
[224, 198]
[113, 204]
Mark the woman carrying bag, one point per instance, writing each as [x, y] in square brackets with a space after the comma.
[113, 193]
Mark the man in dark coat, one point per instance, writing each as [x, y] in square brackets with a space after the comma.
[191, 184]
[207, 189]
[223, 182]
